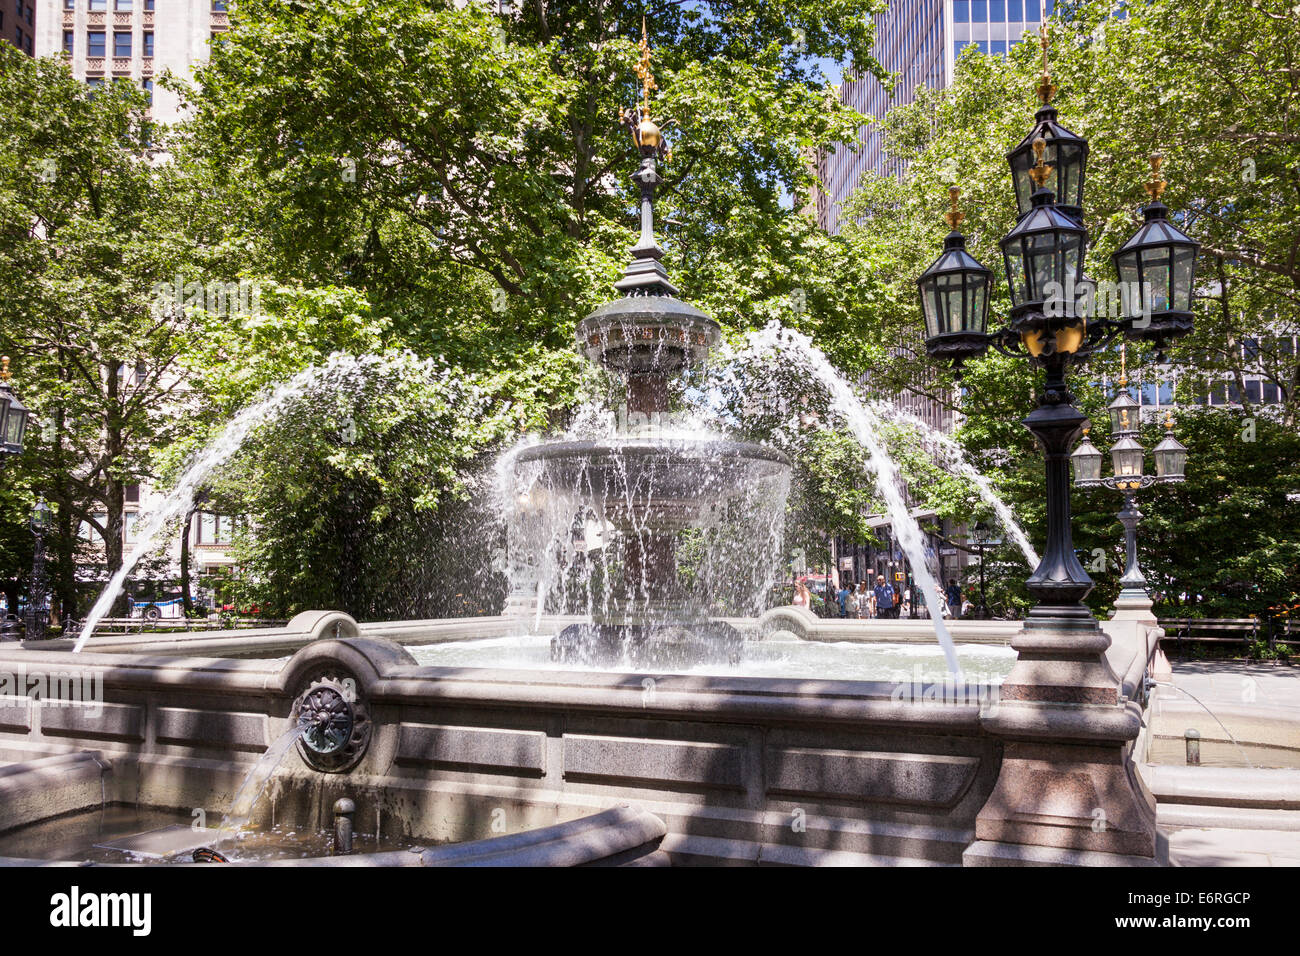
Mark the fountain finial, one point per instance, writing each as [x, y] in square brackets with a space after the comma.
[645, 275]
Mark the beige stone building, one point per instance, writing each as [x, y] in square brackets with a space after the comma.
[137, 40]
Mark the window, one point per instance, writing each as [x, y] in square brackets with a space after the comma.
[95, 43]
[147, 86]
[99, 4]
[997, 11]
[1015, 11]
[121, 44]
[218, 6]
[28, 15]
[132, 494]
[69, 4]
[18, 32]
[130, 519]
[1148, 394]
[148, 43]
[69, 37]
[979, 11]
[1252, 391]
[123, 5]
[1250, 349]
[999, 47]
[148, 6]
[961, 11]
[1270, 394]
[94, 81]
[1234, 394]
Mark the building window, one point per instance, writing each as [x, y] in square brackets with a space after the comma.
[1271, 395]
[98, 4]
[1253, 391]
[68, 39]
[148, 6]
[997, 11]
[95, 43]
[28, 15]
[19, 33]
[1015, 12]
[123, 5]
[979, 11]
[69, 4]
[218, 6]
[148, 44]
[121, 44]
[961, 11]
[147, 86]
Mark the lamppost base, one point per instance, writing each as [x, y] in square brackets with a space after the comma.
[1134, 604]
[1066, 780]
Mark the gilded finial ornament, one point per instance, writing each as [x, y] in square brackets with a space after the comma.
[1046, 88]
[643, 71]
[1123, 364]
[954, 216]
[1155, 186]
[1040, 170]
[4, 368]
[645, 132]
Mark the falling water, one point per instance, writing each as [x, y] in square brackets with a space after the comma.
[797, 347]
[340, 370]
[250, 791]
[954, 456]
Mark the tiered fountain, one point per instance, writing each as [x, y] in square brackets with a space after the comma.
[641, 488]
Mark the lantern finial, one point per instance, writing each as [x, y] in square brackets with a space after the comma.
[643, 72]
[4, 368]
[1046, 88]
[954, 217]
[1123, 364]
[1040, 170]
[1155, 186]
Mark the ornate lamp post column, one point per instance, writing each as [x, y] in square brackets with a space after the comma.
[1127, 457]
[1065, 787]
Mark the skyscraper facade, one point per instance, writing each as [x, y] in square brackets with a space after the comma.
[134, 40]
[919, 41]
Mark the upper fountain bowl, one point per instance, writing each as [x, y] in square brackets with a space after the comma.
[635, 482]
[640, 334]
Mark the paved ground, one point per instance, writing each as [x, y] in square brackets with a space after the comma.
[1237, 691]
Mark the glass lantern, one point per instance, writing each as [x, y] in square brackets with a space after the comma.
[1086, 460]
[1066, 154]
[1044, 257]
[1157, 271]
[1171, 458]
[1126, 457]
[954, 293]
[1124, 412]
[15, 424]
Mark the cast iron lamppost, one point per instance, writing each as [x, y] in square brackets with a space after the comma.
[1066, 728]
[1127, 459]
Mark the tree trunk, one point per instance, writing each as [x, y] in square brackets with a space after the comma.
[114, 487]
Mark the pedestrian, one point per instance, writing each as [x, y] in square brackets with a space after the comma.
[954, 597]
[864, 601]
[842, 597]
[802, 596]
[885, 598]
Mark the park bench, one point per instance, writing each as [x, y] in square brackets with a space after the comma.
[1240, 630]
